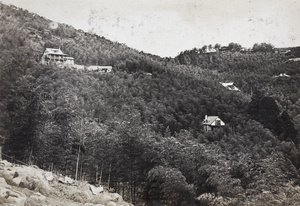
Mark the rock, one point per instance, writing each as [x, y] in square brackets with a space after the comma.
[96, 190]
[3, 183]
[28, 177]
[34, 189]
[100, 199]
[111, 204]
[5, 163]
[8, 174]
[35, 167]
[49, 176]
[115, 197]
[16, 181]
[10, 196]
[88, 193]
[65, 180]
[80, 197]
[38, 197]
[35, 199]
[61, 180]
[125, 204]
[42, 187]
[27, 192]
[69, 180]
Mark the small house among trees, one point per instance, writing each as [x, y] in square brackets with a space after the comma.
[51, 55]
[212, 122]
[57, 57]
[230, 86]
[283, 51]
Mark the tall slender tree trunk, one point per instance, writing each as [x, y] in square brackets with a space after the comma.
[134, 192]
[77, 163]
[78, 156]
[66, 166]
[100, 179]
[0, 152]
[109, 176]
[96, 177]
[81, 171]
[131, 195]
[30, 156]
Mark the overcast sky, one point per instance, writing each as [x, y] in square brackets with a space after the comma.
[166, 27]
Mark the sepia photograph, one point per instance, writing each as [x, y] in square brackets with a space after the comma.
[149, 103]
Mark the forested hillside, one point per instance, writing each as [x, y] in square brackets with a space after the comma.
[141, 134]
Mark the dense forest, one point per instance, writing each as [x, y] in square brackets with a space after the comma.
[141, 134]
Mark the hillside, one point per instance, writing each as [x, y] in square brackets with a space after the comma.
[141, 134]
[24, 185]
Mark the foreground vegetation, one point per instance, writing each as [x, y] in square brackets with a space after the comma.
[141, 134]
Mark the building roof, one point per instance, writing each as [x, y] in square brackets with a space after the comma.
[283, 75]
[70, 58]
[54, 51]
[229, 86]
[209, 120]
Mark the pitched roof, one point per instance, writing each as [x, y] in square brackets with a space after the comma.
[283, 75]
[209, 120]
[229, 86]
[54, 51]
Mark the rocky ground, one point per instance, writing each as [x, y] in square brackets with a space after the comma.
[29, 185]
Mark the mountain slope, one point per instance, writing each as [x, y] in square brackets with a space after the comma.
[138, 133]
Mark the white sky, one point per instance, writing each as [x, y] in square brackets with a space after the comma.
[167, 27]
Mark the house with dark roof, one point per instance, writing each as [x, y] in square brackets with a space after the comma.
[212, 122]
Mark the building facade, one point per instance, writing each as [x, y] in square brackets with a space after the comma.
[51, 55]
[212, 122]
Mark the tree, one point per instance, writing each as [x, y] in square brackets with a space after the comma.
[217, 46]
[204, 48]
[234, 46]
[263, 47]
[169, 187]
